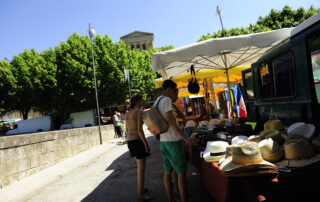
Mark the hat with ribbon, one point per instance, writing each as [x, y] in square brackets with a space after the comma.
[246, 156]
[301, 129]
[215, 150]
[298, 149]
[270, 150]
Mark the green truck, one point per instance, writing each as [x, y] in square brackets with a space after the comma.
[285, 82]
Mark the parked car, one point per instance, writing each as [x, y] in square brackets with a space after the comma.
[33, 125]
[80, 119]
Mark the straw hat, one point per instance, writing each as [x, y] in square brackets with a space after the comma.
[228, 153]
[215, 150]
[256, 138]
[270, 150]
[190, 123]
[215, 122]
[274, 134]
[301, 129]
[273, 125]
[297, 149]
[245, 156]
[238, 139]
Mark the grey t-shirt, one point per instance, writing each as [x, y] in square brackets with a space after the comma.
[165, 105]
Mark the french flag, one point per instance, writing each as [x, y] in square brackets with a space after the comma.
[241, 106]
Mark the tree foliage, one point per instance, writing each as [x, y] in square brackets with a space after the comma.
[276, 19]
[60, 81]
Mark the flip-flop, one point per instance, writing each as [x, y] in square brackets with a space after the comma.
[145, 198]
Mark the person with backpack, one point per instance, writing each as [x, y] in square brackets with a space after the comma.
[136, 141]
[173, 141]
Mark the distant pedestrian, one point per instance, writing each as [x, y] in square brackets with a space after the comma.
[137, 143]
[117, 123]
[172, 142]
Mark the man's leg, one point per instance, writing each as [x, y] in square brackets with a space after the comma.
[182, 183]
[167, 185]
[174, 179]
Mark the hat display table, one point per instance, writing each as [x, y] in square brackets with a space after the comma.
[296, 185]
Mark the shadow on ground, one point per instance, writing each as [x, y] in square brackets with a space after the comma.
[121, 184]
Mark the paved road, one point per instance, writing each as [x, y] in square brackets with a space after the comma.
[112, 177]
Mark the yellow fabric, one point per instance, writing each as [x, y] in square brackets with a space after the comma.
[218, 76]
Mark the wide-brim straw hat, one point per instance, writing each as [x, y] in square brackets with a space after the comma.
[298, 149]
[299, 163]
[215, 150]
[301, 129]
[245, 157]
[270, 150]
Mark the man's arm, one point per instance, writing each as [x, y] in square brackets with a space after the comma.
[173, 124]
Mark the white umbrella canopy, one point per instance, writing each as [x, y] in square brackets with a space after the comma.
[218, 53]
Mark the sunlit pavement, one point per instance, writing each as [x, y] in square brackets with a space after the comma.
[110, 176]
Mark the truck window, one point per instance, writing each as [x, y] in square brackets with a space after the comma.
[265, 81]
[284, 78]
[249, 85]
[314, 45]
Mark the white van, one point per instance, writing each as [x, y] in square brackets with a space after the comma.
[80, 119]
[31, 125]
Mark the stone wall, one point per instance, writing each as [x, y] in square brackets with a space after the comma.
[23, 155]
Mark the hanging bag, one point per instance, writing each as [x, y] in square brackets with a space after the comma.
[193, 86]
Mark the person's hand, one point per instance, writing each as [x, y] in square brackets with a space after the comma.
[147, 149]
[191, 141]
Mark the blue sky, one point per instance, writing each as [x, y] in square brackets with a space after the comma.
[42, 24]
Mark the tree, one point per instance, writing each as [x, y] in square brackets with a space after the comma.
[287, 17]
[75, 88]
[169, 47]
[28, 72]
[7, 88]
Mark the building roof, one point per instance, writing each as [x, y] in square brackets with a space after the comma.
[136, 34]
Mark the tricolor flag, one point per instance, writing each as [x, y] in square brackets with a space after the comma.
[241, 106]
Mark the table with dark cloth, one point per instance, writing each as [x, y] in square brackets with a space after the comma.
[296, 185]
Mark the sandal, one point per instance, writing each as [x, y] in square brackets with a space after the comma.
[145, 190]
[145, 198]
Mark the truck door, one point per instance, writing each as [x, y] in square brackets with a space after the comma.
[314, 52]
[248, 96]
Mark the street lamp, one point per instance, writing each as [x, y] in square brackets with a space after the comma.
[92, 34]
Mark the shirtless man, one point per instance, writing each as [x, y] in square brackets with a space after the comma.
[137, 143]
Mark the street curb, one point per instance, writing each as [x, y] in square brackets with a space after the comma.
[31, 185]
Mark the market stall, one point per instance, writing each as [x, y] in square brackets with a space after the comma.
[247, 180]
[224, 55]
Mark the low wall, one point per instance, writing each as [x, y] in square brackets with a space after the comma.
[23, 155]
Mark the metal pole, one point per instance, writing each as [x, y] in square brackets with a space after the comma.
[224, 34]
[95, 87]
[129, 88]
[225, 60]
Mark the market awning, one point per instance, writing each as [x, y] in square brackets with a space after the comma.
[219, 53]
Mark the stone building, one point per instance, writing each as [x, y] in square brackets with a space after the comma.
[139, 40]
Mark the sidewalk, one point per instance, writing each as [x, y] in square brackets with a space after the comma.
[103, 173]
[31, 185]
